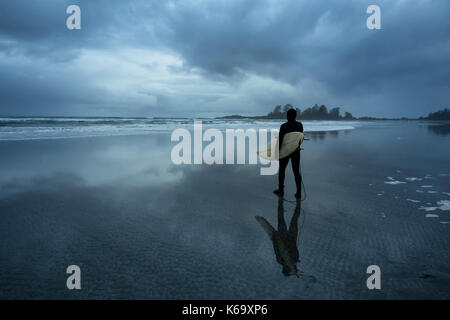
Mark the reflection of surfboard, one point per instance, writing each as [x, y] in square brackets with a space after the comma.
[291, 142]
[266, 226]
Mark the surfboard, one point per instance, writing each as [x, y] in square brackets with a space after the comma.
[291, 142]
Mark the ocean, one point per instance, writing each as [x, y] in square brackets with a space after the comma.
[24, 128]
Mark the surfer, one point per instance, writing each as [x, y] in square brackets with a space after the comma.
[290, 126]
[284, 240]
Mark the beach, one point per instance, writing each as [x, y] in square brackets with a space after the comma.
[141, 227]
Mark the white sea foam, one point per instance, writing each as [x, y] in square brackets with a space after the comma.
[428, 186]
[447, 193]
[430, 215]
[443, 205]
[413, 179]
[54, 128]
[394, 182]
[432, 191]
[420, 191]
[428, 208]
[412, 200]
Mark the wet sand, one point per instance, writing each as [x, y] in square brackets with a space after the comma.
[140, 227]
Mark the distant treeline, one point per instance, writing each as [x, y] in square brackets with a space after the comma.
[313, 113]
[438, 115]
[322, 113]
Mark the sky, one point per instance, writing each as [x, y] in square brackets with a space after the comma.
[210, 58]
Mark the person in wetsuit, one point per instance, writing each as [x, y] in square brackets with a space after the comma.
[290, 126]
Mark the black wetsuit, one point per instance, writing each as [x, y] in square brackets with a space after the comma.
[290, 126]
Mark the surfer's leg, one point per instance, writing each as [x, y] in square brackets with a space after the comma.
[293, 226]
[295, 161]
[281, 222]
[281, 172]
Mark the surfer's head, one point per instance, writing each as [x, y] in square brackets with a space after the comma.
[289, 270]
[291, 115]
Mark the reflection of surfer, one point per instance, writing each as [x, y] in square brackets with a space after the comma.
[284, 240]
[290, 126]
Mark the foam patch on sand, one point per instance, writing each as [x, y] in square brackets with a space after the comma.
[411, 179]
[443, 205]
[394, 182]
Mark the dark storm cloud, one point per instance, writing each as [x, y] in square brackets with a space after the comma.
[320, 49]
[25, 85]
[38, 28]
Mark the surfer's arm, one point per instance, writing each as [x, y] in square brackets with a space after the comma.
[281, 136]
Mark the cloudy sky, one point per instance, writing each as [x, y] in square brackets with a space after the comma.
[217, 57]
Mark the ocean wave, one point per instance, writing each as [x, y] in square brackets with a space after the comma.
[32, 128]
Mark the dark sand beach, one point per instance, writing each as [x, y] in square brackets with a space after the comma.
[140, 227]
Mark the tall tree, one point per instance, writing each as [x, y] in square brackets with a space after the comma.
[335, 113]
[323, 112]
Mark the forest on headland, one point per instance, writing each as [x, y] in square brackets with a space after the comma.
[322, 113]
[443, 114]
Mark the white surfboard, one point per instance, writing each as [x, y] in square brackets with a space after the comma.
[291, 142]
